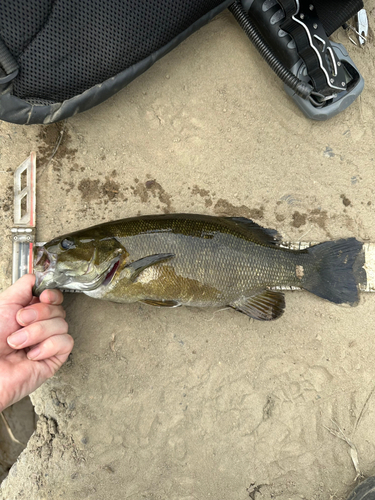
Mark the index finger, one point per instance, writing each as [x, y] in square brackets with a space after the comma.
[21, 292]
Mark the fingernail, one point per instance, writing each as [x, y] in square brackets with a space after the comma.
[53, 297]
[17, 339]
[34, 353]
[27, 316]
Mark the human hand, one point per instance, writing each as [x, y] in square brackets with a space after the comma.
[34, 342]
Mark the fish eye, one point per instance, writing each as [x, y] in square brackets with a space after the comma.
[67, 244]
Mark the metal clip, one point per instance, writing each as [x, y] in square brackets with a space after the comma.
[362, 26]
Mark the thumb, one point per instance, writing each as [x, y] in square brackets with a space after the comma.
[19, 293]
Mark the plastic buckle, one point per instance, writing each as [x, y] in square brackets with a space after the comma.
[336, 102]
[8, 78]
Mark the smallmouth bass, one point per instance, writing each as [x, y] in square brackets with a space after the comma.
[196, 260]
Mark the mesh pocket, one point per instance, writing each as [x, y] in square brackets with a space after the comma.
[85, 42]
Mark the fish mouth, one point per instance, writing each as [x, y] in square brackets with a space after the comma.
[44, 270]
[43, 259]
[48, 276]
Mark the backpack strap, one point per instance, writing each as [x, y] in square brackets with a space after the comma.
[8, 65]
[303, 23]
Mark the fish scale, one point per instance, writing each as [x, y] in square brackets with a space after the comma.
[225, 262]
[197, 260]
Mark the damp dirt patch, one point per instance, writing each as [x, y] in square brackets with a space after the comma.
[152, 189]
[346, 202]
[203, 193]
[111, 188]
[159, 192]
[225, 208]
[94, 189]
[55, 142]
[89, 189]
[298, 219]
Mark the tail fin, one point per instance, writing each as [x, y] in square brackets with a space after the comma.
[336, 270]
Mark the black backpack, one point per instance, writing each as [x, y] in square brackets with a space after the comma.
[61, 57]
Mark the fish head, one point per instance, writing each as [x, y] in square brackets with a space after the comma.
[79, 261]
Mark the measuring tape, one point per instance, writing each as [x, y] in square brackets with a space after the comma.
[23, 232]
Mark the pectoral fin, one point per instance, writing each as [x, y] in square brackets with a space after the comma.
[161, 303]
[140, 265]
[265, 306]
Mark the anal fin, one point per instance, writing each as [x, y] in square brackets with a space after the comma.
[265, 306]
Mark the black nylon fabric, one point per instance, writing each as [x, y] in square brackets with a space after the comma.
[65, 47]
[332, 14]
[21, 20]
[335, 13]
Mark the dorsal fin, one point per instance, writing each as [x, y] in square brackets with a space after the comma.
[260, 234]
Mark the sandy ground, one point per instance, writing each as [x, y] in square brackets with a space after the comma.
[190, 404]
